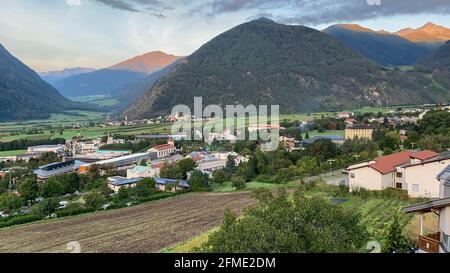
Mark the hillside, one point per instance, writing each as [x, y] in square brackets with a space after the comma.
[429, 34]
[101, 82]
[299, 68]
[24, 95]
[131, 93]
[438, 59]
[380, 47]
[53, 77]
[147, 63]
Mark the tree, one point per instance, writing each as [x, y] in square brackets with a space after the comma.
[185, 166]
[93, 200]
[231, 164]
[219, 177]
[71, 182]
[144, 188]
[199, 181]
[238, 183]
[394, 240]
[52, 188]
[48, 206]
[29, 189]
[94, 172]
[285, 224]
[10, 202]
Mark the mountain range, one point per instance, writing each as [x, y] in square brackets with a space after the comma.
[53, 77]
[113, 80]
[259, 62]
[147, 63]
[299, 68]
[402, 48]
[430, 34]
[24, 95]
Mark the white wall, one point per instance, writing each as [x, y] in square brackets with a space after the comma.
[425, 177]
[367, 178]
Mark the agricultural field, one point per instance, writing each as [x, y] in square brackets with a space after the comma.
[12, 153]
[98, 100]
[146, 228]
[93, 132]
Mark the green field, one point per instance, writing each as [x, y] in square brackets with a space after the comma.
[12, 153]
[98, 100]
[227, 187]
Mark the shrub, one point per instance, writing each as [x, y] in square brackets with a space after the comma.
[19, 220]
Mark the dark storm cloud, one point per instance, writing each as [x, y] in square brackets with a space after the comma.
[154, 7]
[327, 11]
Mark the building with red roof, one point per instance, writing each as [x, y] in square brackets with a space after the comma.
[164, 150]
[412, 171]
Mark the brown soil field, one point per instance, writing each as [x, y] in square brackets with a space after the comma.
[141, 229]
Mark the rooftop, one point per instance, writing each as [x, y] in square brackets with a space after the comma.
[428, 206]
[163, 147]
[58, 168]
[387, 164]
[444, 176]
[123, 182]
[360, 127]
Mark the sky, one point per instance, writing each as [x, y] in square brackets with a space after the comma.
[57, 34]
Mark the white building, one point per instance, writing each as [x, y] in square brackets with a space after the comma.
[143, 172]
[438, 239]
[57, 149]
[414, 172]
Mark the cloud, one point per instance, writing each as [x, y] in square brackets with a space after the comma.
[73, 2]
[153, 7]
[328, 11]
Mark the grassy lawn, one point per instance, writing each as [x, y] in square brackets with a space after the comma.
[12, 153]
[227, 186]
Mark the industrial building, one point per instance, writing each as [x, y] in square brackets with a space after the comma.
[121, 162]
[54, 169]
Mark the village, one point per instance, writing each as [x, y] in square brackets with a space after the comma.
[373, 151]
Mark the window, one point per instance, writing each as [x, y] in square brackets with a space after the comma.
[399, 185]
[415, 187]
[399, 175]
[352, 175]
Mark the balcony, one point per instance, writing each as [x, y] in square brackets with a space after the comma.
[430, 243]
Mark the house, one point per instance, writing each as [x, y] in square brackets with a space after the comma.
[344, 115]
[142, 171]
[437, 240]
[335, 139]
[414, 172]
[361, 131]
[54, 169]
[174, 185]
[350, 121]
[238, 159]
[163, 151]
[57, 149]
[115, 183]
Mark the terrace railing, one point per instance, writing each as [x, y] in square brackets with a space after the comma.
[430, 243]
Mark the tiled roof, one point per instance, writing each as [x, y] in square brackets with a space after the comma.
[164, 147]
[387, 164]
[424, 155]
